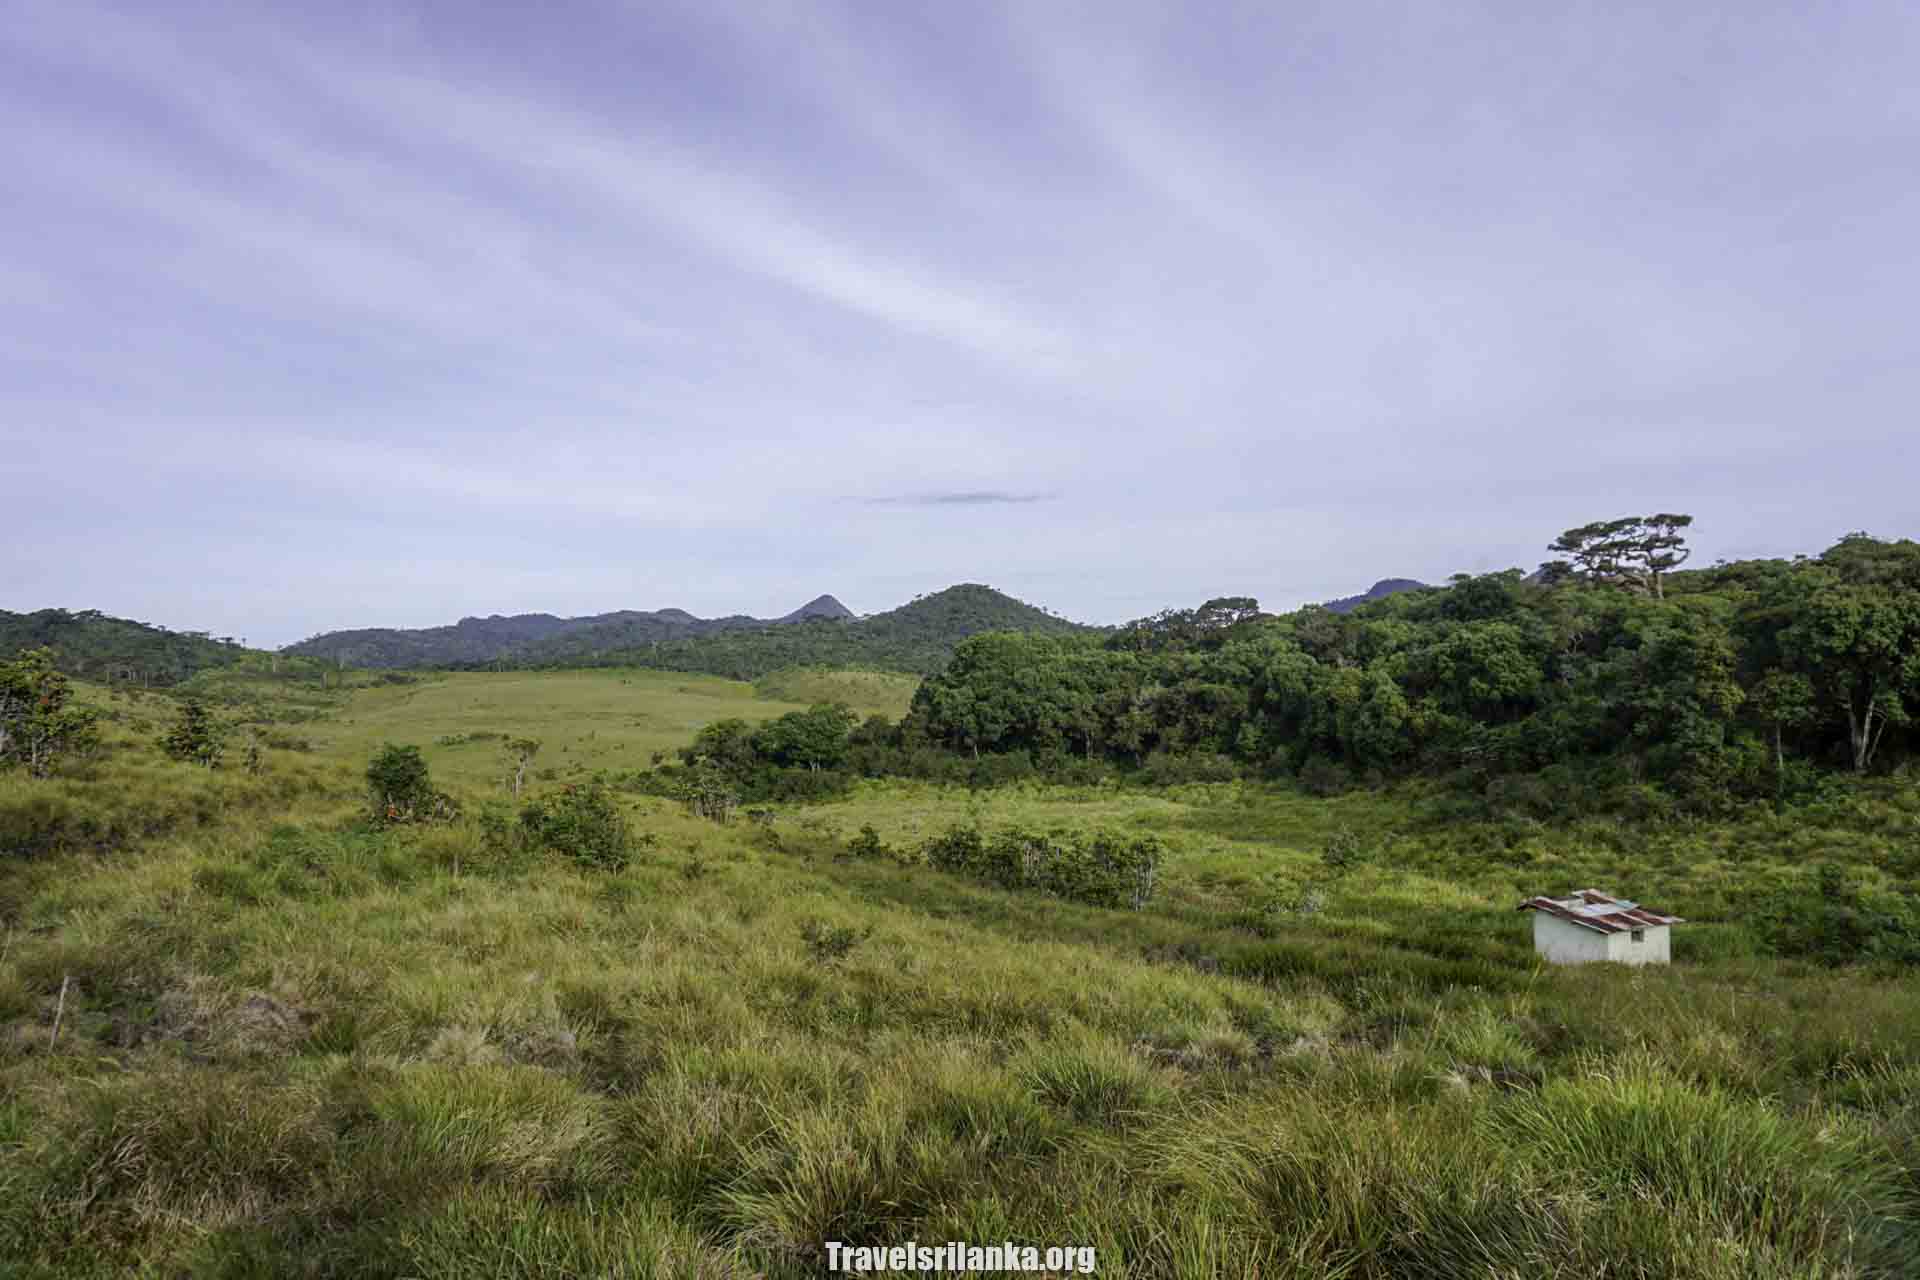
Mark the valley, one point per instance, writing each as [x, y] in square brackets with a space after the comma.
[295, 1040]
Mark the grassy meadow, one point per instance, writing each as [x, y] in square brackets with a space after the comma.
[584, 720]
[243, 1032]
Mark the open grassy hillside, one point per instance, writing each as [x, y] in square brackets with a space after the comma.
[887, 693]
[585, 720]
[290, 1042]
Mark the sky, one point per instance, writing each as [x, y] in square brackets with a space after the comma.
[317, 316]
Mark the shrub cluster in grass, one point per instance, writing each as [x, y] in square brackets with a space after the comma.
[1176, 768]
[37, 726]
[400, 787]
[1099, 868]
[868, 844]
[196, 736]
[1840, 923]
[828, 944]
[583, 822]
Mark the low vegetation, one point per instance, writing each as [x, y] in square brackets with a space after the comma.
[666, 1014]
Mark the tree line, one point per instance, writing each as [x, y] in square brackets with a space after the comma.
[1742, 677]
[1608, 672]
[93, 646]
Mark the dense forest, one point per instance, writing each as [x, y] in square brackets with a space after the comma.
[1742, 678]
[1594, 685]
[116, 650]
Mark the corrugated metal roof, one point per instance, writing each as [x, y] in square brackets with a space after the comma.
[1602, 913]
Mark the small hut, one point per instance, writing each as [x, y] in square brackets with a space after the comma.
[1589, 925]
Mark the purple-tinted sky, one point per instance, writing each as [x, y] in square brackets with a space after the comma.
[349, 314]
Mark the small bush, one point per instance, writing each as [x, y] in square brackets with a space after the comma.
[1099, 868]
[1167, 769]
[1322, 777]
[1001, 769]
[830, 944]
[1343, 852]
[37, 726]
[195, 737]
[1839, 923]
[399, 786]
[958, 851]
[708, 793]
[582, 822]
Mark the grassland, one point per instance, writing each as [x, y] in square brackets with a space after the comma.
[292, 1044]
[585, 720]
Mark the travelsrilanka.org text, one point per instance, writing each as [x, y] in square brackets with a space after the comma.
[957, 1255]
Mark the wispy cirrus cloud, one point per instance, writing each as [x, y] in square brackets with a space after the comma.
[617, 308]
[958, 498]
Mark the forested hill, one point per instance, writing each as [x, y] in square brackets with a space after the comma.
[1378, 591]
[537, 638]
[918, 637]
[94, 646]
[1745, 680]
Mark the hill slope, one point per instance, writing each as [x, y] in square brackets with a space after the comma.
[92, 645]
[1378, 591]
[820, 607]
[917, 637]
[532, 637]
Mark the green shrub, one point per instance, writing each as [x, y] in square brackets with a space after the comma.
[1840, 923]
[708, 793]
[37, 726]
[195, 737]
[1321, 777]
[1168, 769]
[868, 844]
[830, 944]
[1098, 868]
[582, 822]
[1344, 851]
[398, 784]
[958, 851]
[1001, 769]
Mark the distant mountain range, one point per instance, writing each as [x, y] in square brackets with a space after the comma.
[919, 636]
[1378, 591]
[537, 637]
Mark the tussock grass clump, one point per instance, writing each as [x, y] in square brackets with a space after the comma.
[1092, 1078]
[436, 1125]
[147, 799]
[1805, 1189]
[134, 1162]
[495, 1231]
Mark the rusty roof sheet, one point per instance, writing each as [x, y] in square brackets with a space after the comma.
[1600, 912]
